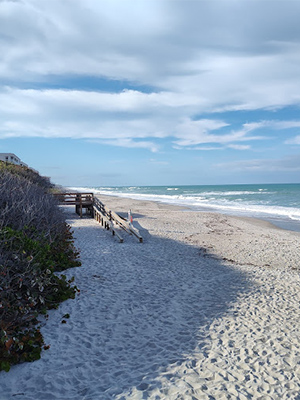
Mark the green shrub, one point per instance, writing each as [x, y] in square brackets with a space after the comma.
[33, 250]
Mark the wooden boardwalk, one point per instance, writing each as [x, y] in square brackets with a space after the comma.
[80, 200]
[110, 220]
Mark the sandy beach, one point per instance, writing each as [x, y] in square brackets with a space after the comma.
[206, 308]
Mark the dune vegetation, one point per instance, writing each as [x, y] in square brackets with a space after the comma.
[36, 245]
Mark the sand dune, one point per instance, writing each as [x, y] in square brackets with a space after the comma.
[206, 308]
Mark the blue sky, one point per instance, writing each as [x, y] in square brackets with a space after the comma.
[160, 92]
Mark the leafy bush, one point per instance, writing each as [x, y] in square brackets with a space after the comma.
[35, 243]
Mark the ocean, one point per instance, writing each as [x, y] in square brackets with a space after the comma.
[276, 203]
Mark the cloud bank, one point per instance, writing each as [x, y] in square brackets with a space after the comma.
[182, 67]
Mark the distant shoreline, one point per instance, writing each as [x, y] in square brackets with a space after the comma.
[278, 204]
[280, 223]
[244, 240]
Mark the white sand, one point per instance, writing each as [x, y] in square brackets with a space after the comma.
[173, 318]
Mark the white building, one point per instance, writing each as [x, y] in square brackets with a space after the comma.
[12, 158]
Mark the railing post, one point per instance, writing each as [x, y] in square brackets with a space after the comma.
[80, 205]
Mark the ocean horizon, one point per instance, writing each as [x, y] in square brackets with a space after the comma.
[276, 203]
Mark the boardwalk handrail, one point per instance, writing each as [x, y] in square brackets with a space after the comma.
[105, 219]
[116, 219]
[81, 200]
[109, 219]
[74, 198]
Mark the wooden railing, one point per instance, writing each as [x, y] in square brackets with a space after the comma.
[110, 220]
[81, 200]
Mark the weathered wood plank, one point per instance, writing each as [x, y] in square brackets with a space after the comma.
[98, 210]
[107, 223]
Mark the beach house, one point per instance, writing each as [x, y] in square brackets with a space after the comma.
[12, 158]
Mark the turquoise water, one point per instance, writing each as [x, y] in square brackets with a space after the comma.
[278, 203]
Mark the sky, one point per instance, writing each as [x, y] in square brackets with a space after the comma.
[152, 92]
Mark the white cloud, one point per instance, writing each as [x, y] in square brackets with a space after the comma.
[213, 148]
[295, 140]
[198, 132]
[239, 146]
[289, 163]
[202, 148]
[78, 114]
[202, 57]
[201, 49]
[129, 119]
[195, 132]
[129, 143]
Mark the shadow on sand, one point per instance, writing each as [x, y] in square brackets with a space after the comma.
[157, 302]
[143, 308]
